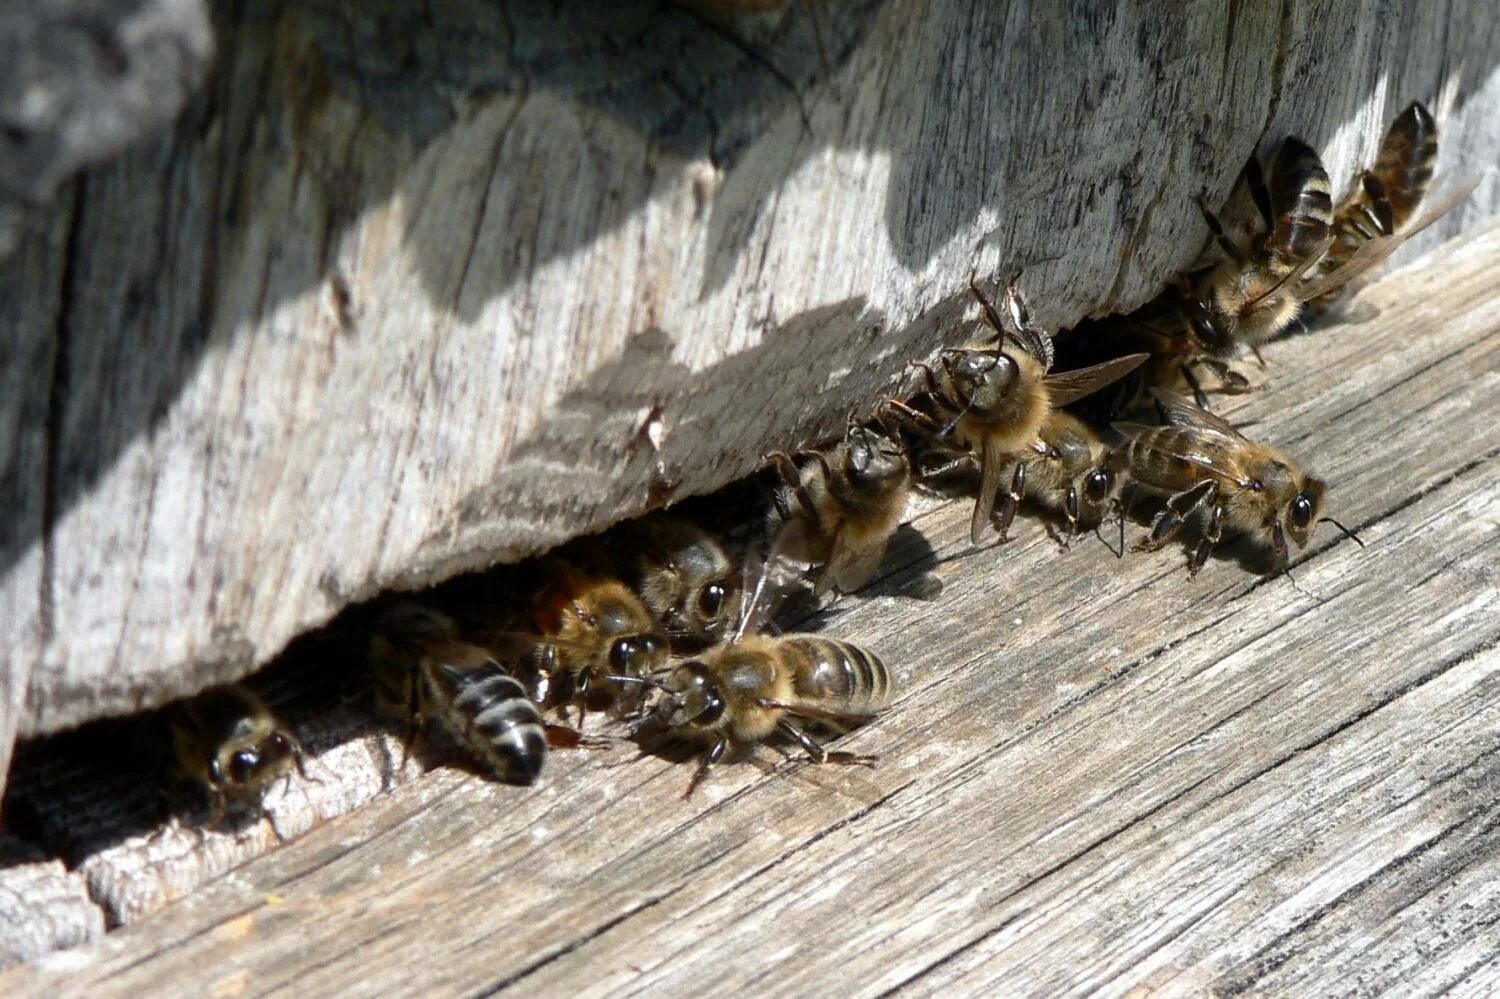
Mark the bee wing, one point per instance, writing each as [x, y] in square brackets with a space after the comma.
[991, 465]
[1064, 387]
[1379, 249]
[1181, 412]
[1206, 448]
[849, 567]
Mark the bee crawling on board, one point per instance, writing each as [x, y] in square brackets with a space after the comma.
[228, 740]
[756, 686]
[840, 505]
[1207, 469]
[422, 667]
[991, 399]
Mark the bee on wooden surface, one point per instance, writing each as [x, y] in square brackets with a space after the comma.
[422, 667]
[841, 505]
[741, 693]
[230, 741]
[1207, 469]
[1378, 215]
[992, 398]
[1072, 471]
[683, 575]
[590, 642]
[1254, 295]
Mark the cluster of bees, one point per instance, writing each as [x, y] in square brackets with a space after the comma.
[659, 627]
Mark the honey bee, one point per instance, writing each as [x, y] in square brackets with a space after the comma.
[1377, 216]
[995, 396]
[849, 500]
[740, 693]
[1253, 295]
[1206, 468]
[230, 741]
[591, 641]
[421, 666]
[684, 576]
[1073, 472]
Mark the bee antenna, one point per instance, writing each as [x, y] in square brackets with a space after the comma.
[643, 680]
[1347, 533]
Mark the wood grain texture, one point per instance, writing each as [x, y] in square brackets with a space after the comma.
[43, 906]
[1100, 775]
[404, 291]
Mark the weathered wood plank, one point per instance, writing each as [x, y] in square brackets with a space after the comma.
[80, 81]
[399, 294]
[1100, 775]
[43, 906]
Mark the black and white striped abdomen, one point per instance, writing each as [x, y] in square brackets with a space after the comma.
[488, 710]
[839, 676]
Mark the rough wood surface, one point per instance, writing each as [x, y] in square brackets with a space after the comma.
[82, 79]
[413, 287]
[1100, 775]
[43, 906]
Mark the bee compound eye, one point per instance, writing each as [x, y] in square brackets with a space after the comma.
[1096, 487]
[1302, 511]
[243, 764]
[622, 653]
[711, 600]
[713, 707]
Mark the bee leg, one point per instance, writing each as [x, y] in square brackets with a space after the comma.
[792, 476]
[1169, 520]
[1010, 502]
[914, 417]
[1221, 237]
[563, 737]
[1211, 536]
[818, 753]
[1255, 180]
[1199, 396]
[1231, 382]
[714, 755]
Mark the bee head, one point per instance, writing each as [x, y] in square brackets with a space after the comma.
[637, 655]
[241, 768]
[698, 701]
[872, 460]
[981, 378]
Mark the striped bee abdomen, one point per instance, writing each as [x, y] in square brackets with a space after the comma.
[839, 676]
[489, 711]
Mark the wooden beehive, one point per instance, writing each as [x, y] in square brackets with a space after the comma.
[409, 293]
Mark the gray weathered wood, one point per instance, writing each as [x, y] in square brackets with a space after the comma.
[1100, 775]
[79, 81]
[43, 906]
[412, 293]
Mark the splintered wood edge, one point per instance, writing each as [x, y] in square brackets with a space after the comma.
[1099, 774]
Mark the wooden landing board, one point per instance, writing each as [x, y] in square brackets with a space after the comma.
[1100, 775]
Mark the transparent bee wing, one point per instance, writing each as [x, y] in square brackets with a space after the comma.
[1182, 412]
[1201, 447]
[1378, 250]
[849, 567]
[991, 466]
[1294, 275]
[1064, 387]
